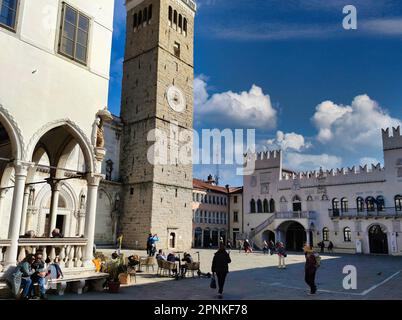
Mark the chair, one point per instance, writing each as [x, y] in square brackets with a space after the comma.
[132, 272]
[150, 262]
[160, 266]
[193, 266]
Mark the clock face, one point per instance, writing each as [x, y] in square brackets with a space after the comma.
[176, 99]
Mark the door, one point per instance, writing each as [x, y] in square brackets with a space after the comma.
[378, 240]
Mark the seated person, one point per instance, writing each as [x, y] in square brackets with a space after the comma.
[21, 278]
[161, 255]
[171, 257]
[188, 259]
[40, 273]
[56, 233]
[133, 261]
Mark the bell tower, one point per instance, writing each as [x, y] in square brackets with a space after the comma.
[157, 104]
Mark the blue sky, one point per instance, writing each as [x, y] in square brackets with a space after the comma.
[288, 68]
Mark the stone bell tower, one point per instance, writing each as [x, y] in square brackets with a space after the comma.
[157, 103]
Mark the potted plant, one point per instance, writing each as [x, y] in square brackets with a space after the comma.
[114, 268]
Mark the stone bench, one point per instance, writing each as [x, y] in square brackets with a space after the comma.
[77, 282]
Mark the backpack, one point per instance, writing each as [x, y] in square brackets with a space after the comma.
[317, 260]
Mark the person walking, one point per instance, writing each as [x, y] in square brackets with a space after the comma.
[247, 246]
[271, 247]
[330, 247]
[220, 267]
[310, 269]
[281, 255]
[265, 248]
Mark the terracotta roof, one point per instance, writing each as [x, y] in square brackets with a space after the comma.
[203, 185]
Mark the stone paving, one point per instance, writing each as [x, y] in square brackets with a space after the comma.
[255, 276]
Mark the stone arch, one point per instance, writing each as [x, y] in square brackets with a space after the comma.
[74, 131]
[13, 132]
[105, 228]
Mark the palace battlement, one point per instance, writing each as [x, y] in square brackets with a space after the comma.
[339, 175]
[265, 160]
[393, 141]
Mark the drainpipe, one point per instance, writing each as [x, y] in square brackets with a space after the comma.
[229, 234]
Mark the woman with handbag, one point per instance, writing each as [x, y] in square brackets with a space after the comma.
[220, 267]
[281, 255]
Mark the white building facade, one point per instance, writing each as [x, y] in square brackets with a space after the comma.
[358, 209]
[55, 61]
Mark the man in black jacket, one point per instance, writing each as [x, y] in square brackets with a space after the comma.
[220, 267]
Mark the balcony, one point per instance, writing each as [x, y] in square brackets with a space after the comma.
[386, 213]
[296, 215]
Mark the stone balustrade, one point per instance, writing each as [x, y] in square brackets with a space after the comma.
[390, 212]
[68, 251]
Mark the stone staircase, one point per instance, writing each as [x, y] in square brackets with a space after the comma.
[262, 226]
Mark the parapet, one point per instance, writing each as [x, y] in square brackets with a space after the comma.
[393, 141]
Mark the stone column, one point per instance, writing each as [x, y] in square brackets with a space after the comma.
[89, 232]
[54, 204]
[24, 212]
[21, 172]
[3, 193]
[308, 237]
[202, 238]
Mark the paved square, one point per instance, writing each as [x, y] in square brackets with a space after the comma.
[256, 277]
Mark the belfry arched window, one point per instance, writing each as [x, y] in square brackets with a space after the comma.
[170, 16]
[259, 206]
[175, 19]
[266, 206]
[360, 204]
[149, 13]
[252, 206]
[185, 26]
[145, 19]
[344, 205]
[139, 18]
[135, 21]
[398, 203]
[180, 22]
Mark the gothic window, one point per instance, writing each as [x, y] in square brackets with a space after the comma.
[180, 22]
[335, 206]
[347, 234]
[109, 169]
[170, 16]
[324, 197]
[259, 206]
[150, 13]
[360, 204]
[380, 203]
[139, 18]
[370, 203]
[176, 49]
[73, 42]
[325, 234]
[8, 13]
[145, 17]
[309, 198]
[282, 199]
[175, 19]
[297, 205]
[266, 206]
[272, 205]
[135, 21]
[344, 205]
[252, 206]
[185, 26]
[398, 203]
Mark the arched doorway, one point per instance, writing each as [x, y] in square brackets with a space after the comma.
[197, 237]
[172, 240]
[378, 239]
[295, 235]
[215, 238]
[268, 236]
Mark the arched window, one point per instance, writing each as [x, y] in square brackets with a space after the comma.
[145, 18]
[335, 205]
[252, 206]
[170, 16]
[309, 198]
[296, 199]
[185, 26]
[398, 203]
[282, 199]
[150, 13]
[360, 204]
[272, 205]
[344, 205]
[266, 206]
[297, 207]
[370, 204]
[324, 197]
[259, 206]
[180, 22]
[135, 21]
[325, 234]
[175, 19]
[380, 203]
[139, 18]
[347, 234]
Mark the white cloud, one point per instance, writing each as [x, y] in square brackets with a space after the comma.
[304, 162]
[390, 27]
[247, 109]
[354, 126]
[285, 141]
